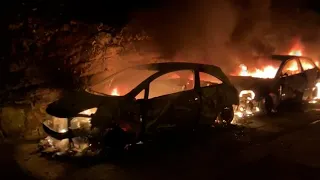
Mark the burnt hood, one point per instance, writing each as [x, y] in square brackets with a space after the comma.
[259, 85]
[249, 83]
[71, 103]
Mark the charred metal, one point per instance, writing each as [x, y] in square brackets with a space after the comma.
[138, 102]
[295, 82]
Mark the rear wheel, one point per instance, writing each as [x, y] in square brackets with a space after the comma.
[115, 141]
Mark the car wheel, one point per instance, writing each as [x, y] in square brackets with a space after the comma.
[226, 115]
[116, 139]
[268, 105]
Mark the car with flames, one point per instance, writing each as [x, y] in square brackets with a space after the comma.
[291, 79]
[143, 100]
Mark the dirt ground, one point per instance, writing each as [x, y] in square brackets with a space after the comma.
[267, 148]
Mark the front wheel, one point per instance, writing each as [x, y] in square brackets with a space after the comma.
[226, 115]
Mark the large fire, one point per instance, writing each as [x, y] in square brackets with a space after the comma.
[268, 71]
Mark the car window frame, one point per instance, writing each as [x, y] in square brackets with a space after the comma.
[146, 83]
[309, 59]
[209, 75]
[159, 74]
[285, 63]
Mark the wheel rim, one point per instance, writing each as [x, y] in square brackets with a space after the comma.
[227, 115]
[116, 138]
[268, 104]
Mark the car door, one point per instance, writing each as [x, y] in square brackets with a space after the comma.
[292, 81]
[210, 97]
[311, 71]
[172, 102]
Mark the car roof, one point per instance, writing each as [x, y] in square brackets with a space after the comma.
[285, 57]
[168, 66]
[173, 66]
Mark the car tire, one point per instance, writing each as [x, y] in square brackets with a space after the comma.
[116, 139]
[227, 115]
[268, 105]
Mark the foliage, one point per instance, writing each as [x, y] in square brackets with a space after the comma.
[63, 55]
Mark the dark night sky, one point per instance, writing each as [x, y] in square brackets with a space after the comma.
[111, 11]
[88, 10]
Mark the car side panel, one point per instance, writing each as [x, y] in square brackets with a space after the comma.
[214, 99]
[292, 86]
[178, 110]
[312, 76]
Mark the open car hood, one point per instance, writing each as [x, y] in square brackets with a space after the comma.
[77, 101]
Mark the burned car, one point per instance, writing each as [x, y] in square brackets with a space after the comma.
[129, 105]
[295, 80]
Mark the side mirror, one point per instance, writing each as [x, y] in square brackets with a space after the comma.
[284, 75]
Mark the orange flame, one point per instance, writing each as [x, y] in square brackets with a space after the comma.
[269, 71]
[265, 72]
[295, 53]
[297, 48]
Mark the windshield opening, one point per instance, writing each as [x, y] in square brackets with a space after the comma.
[122, 82]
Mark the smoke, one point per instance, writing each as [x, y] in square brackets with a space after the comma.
[214, 32]
[192, 30]
[228, 33]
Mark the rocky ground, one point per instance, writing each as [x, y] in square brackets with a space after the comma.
[281, 147]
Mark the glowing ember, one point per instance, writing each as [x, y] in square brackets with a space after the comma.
[115, 92]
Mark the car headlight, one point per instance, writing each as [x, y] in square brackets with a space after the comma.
[89, 111]
[83, 120]
[57, 124]
[248, 94]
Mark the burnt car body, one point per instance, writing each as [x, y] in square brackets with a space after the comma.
[145, 99]
[295, 81]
